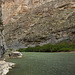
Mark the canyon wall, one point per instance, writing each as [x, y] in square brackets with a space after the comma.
[38, 22]
[51, 22]
[18, 7]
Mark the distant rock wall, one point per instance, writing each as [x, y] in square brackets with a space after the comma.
[51, 22]
[18, 7]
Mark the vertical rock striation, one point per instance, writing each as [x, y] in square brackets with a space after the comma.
[4, 66]
[2, 42]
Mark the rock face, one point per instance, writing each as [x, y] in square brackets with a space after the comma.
[2, 40]
[38, 22]
[5, 66]
[19, 7]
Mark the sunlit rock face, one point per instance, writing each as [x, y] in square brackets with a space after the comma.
[5, 67]
[18, 7]
[39, 23]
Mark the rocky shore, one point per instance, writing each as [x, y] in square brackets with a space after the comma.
[5, 67]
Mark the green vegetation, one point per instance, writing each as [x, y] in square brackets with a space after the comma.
[60, 47]
[11, 49]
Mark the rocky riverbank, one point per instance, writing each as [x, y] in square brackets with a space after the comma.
[5, 67]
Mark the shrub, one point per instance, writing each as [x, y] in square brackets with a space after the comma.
[22, 49]
[11, 49]
[66, 49]
[50, 48]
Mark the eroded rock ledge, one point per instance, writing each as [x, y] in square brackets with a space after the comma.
[5, 67]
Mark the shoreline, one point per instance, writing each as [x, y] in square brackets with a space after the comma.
[5, 67]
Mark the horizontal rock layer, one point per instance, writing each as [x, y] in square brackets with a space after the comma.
[50, 22]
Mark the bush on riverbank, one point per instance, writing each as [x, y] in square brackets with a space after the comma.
[60, 47]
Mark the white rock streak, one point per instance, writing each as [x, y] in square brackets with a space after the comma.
[5, 67]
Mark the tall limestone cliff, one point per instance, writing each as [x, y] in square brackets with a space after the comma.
[2, 41]
[38, 22]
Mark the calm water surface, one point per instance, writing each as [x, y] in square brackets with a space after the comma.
[44, 64]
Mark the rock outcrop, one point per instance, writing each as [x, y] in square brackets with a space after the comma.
[2, 39]
[15, 54]
[50, 21]
[5, 67]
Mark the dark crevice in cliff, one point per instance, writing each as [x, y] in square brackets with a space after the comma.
[2, 42]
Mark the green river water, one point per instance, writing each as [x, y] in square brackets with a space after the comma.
[44, 64]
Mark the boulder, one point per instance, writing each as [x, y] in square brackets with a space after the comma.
[5, 67]
[15, 54]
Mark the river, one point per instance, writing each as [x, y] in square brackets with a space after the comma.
[36, 63]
